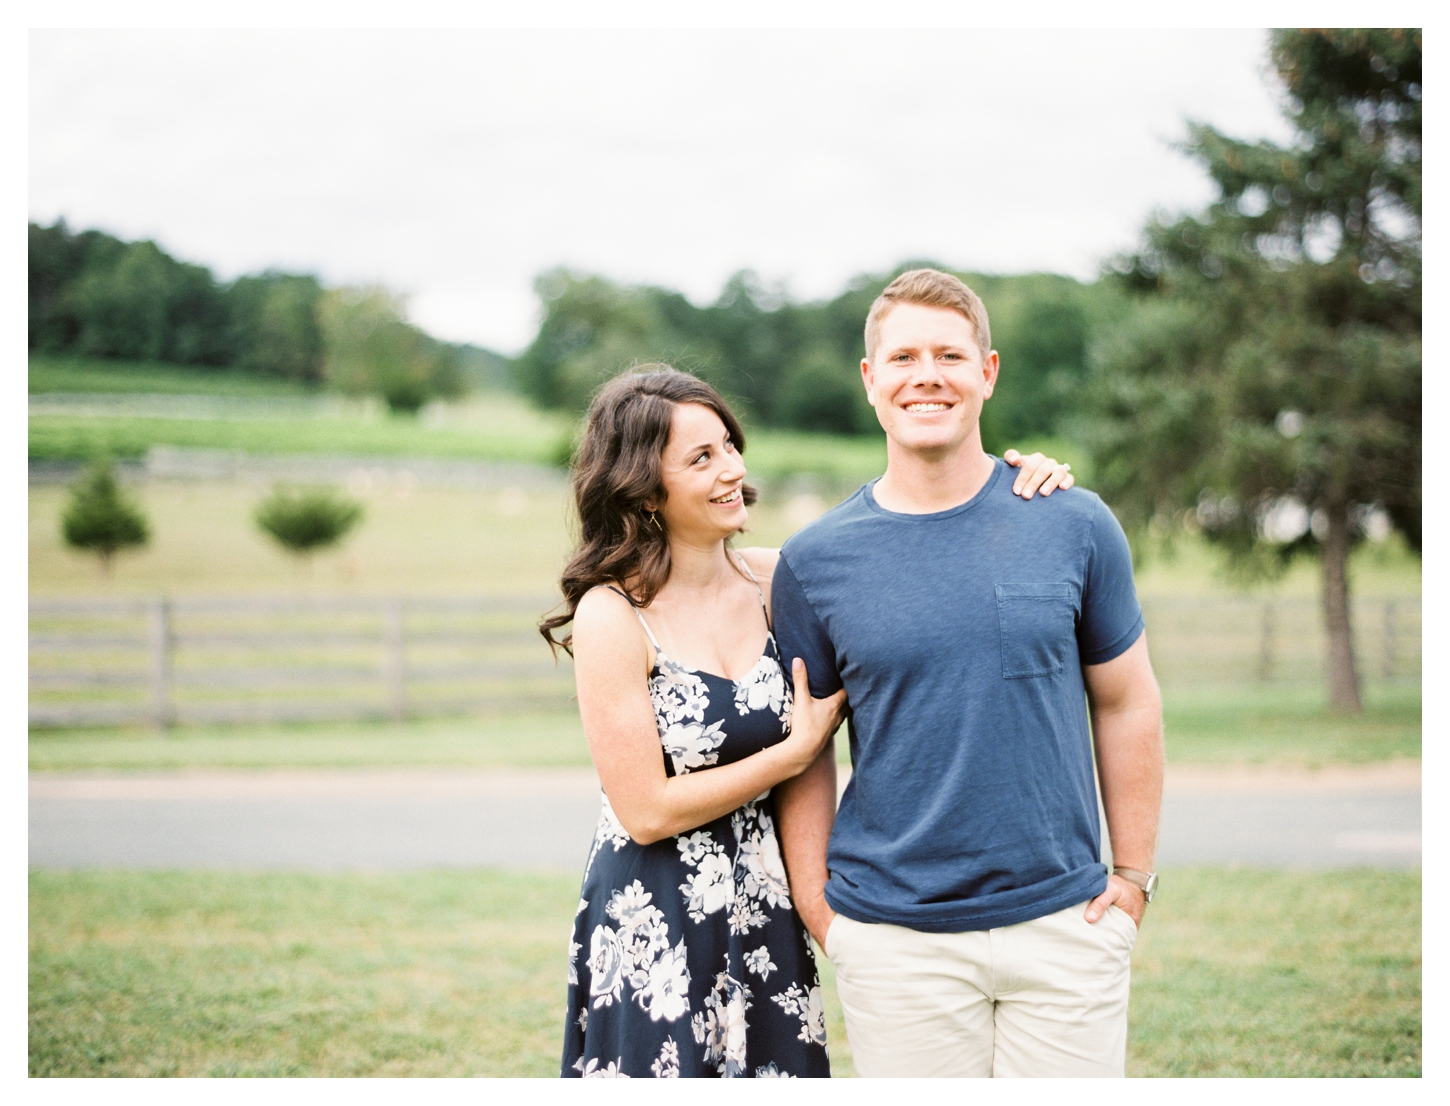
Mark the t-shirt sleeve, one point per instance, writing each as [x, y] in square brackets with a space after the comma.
[1111, 618]
[799, 632]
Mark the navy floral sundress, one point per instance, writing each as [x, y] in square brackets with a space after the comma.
[687, 957]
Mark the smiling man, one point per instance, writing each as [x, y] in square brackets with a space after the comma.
[974, 928]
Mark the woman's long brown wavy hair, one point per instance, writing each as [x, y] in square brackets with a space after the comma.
[616, 473]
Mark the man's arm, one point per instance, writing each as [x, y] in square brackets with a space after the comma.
[805, 806]
[805, 810]
[1127, 718]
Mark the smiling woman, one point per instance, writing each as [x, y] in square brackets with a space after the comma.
[685, 914]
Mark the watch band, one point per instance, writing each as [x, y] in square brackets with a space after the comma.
[1146, 882]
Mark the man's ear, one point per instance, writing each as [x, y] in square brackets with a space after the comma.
[868, 380]
[990, 367]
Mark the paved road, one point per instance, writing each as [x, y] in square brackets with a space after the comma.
[359, 820]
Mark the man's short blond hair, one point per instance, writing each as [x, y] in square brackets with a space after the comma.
[929, 288]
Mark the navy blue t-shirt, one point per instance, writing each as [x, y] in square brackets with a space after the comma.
[960, 637]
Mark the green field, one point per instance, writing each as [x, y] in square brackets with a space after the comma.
[1236, 973]
[82, 374]
[1288, 726]
[485, 427]
[1282, 728]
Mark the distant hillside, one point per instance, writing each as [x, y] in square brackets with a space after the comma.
[95, 297]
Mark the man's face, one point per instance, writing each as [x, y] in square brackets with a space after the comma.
[928, 380]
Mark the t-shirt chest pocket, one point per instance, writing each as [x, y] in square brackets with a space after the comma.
[1038, 628]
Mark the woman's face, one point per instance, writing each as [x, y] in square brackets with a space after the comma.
[703, 477]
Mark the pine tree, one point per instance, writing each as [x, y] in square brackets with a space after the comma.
[1268, 391]
[100, 519]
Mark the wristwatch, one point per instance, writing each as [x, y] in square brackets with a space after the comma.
[1146, 882]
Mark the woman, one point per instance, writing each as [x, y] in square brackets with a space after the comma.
[687, 957]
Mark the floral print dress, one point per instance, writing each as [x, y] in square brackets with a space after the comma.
[687, 957]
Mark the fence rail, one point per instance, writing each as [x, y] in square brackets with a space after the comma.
[224, 659]
[235, 659]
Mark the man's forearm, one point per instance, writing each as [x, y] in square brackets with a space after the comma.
[805, 810]
[1130, 771]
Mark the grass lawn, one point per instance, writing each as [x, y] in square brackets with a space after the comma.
[463, 974]
[544, 740]
[1260, 973]
[88, 374]
[1288, 725]
[1280, 726]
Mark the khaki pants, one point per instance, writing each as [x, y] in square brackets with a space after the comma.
[1047, 997]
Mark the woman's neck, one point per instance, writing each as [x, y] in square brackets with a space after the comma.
[697, 567]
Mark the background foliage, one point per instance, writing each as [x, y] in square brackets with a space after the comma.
[97, 296]
[797, 365]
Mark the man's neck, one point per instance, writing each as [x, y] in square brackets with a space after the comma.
[916, 484]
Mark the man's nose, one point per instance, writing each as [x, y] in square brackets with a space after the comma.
[927, 371]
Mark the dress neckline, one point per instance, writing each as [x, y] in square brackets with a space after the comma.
[765, 654]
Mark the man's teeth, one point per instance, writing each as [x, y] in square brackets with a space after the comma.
[927, 406]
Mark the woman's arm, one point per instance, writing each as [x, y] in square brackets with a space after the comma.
[611, 666]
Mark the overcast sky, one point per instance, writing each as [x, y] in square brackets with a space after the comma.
[456, 165]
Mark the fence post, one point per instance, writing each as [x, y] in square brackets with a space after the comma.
[393, 669]
[163, 713]
[1266, 642]
[1389, 657]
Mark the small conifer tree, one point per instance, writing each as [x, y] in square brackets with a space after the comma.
[305, 520]
[100, 519]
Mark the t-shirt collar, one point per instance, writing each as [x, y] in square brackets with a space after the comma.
[998, 467]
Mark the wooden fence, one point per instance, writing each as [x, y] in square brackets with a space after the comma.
[1238, 641]
[114, 662]
[222, 660]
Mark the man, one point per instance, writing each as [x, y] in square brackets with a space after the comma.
[963, 902]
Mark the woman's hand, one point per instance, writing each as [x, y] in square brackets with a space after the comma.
[812, 721]
[1039, 473]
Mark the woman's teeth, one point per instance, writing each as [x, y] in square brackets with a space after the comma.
[727, 498]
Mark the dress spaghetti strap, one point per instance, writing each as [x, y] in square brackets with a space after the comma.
[758, 591]
[639, 616]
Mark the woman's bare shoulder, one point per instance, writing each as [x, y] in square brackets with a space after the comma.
[602, 609]
[762, 561]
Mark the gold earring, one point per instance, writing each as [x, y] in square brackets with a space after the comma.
[656, 521]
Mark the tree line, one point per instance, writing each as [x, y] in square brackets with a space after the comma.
[94, 295]
[797, 365]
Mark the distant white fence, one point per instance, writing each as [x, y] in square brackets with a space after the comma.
[222, 660]
[174, 463]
